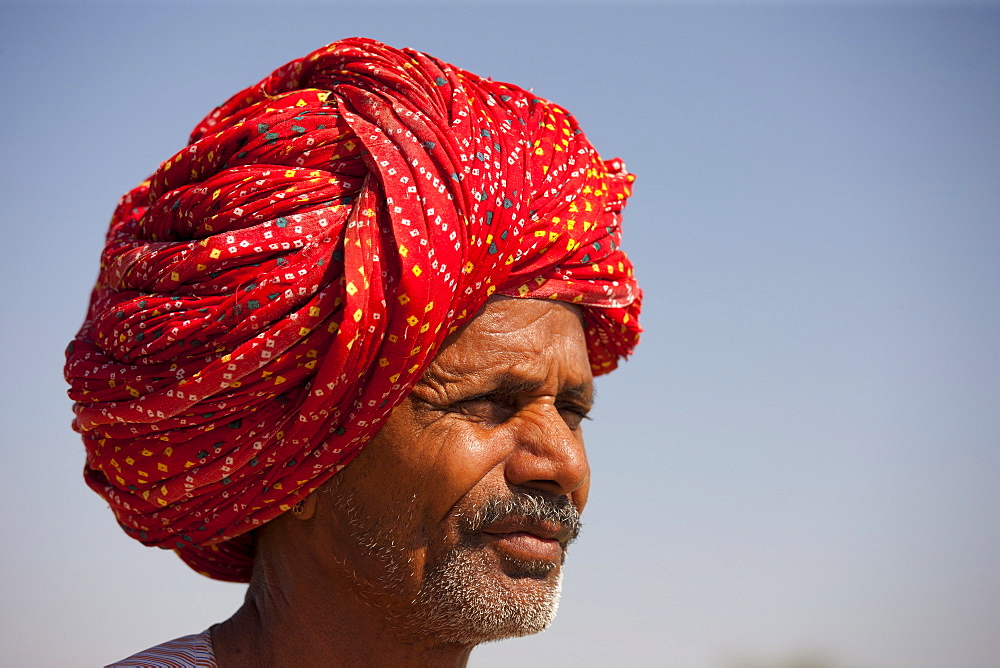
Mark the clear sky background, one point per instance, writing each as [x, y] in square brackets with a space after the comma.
[801, 462]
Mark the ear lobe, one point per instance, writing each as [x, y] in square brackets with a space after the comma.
[304, 509]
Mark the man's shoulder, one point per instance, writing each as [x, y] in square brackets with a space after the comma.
[193, 651]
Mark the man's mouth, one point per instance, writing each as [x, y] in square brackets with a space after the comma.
[523, 539]
[527, 528]
[526, 547]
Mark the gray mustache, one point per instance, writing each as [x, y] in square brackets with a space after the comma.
[532, 506]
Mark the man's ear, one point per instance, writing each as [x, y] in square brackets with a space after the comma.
[306, 508]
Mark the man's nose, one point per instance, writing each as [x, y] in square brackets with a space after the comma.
[549, 456]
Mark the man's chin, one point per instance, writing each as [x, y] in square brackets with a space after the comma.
[477, 595]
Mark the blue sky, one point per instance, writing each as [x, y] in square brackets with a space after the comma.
[802, 458]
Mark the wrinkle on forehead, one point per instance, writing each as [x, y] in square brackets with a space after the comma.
[491, 320]
[515, 342]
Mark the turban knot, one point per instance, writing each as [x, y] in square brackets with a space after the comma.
[276, 288]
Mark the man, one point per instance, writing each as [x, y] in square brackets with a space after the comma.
[370, 255]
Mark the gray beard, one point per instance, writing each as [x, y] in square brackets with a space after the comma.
[464, 599]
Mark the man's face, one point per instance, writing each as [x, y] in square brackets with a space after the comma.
[462, 506]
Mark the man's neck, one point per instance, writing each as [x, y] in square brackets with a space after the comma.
[281, 624]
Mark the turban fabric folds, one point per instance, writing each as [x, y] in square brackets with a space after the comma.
[276, 288]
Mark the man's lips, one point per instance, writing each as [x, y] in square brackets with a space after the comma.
[526, 547]
[527, 540]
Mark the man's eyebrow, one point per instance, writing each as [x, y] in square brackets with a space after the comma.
[510, 383]
[583, 392]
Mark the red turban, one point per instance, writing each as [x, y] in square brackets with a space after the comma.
[276, 288]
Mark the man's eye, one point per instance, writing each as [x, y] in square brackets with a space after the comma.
[489, 408]
[573, 414]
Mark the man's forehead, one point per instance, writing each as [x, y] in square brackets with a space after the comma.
[505, 316]
[516, 346]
